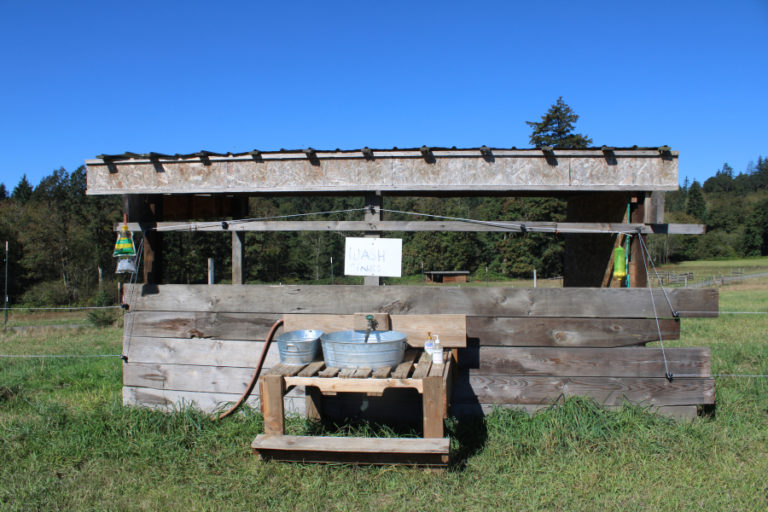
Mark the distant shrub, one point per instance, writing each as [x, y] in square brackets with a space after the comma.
[102, 317]
[50, 293]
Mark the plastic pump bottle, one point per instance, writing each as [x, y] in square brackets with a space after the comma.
[437, 351]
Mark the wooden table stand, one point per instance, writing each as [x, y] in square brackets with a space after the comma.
[417, 372]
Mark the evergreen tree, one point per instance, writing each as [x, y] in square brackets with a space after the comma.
[23, 190]
[696, 206]
[3, 192]
[556, 128]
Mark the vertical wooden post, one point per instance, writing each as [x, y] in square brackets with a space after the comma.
[147, 210]
[372, 202]
[239, 211]
[433, 406]
[272, 391]
[588, 255]
[638, 274]
[314, 403]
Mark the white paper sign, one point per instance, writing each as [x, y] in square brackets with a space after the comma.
[373, 257]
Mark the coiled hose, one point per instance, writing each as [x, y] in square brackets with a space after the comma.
[255, 377]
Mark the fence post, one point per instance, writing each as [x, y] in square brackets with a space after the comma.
[210, 270]
[534, 278]
[5, 303]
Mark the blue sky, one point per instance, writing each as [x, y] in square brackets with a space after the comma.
[83, 78]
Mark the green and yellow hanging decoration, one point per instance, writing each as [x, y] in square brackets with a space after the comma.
[125, 251]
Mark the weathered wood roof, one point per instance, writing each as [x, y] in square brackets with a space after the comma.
[391, 170]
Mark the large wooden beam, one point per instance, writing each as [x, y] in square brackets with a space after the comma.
[505, 226]
[350, 299]
[206, 328]
[388, 171]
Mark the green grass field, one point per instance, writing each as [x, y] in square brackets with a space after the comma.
[66, 443]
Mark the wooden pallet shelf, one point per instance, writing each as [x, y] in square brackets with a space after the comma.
[432, 381]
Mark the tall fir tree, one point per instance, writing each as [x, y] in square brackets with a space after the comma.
[696, 205]
[556, 128]
[23, 191]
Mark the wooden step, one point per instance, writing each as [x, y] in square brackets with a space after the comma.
[353, 450]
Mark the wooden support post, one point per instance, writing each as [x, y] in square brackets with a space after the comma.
[638, 274]
[588, 255]
[314, 402]
[372, 202]
[147, 210]
[211, 271]
[239, 211]
[272, 391]
[433, 406]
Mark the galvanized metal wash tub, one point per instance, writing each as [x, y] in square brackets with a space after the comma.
[299, 347]
[348, 349]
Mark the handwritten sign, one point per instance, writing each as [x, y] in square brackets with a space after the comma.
[373, 257]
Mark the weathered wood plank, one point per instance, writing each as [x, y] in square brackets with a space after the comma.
[423, 366]
[181, 377]
[363, 373]
[434, 398]
[403, 369]
[514, 331]
[329, 372]
[382, 373]
[348, 299]
[587, 362]
[483, 389]
[200, 324]
[681, 412]
[170, 400]
[311, 369]
[272, 407]
[569, 332]
[430, 452]
[388, 170]
[199, 352]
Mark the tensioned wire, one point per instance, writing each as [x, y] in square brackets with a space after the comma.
[512, 226]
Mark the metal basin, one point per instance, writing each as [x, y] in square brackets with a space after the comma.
[299, 347]
[348, 349]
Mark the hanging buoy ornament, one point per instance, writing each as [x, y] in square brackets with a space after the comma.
[125, 252]
[619, 263]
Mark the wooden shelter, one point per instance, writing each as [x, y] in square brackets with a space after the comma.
[446, 276]
[197, 344]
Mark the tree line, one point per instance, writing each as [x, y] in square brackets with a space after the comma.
[734, 208]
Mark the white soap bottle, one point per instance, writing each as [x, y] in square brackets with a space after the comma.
[437, 351]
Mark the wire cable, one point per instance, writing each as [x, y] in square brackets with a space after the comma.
[28, 356]
[644, 248]
[667, 373]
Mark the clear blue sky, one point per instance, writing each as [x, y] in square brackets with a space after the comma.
[83, 78]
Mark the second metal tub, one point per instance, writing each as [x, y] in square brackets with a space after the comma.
[348, 349]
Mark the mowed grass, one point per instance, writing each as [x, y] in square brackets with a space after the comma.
[66, 443]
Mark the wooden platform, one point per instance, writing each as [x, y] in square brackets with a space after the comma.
[432, 381]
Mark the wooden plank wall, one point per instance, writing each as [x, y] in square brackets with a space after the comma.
[198, 344]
